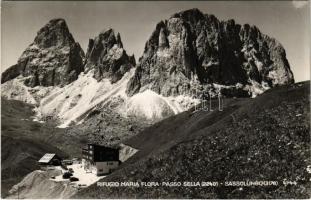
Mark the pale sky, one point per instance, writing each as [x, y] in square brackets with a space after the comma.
[287, 21]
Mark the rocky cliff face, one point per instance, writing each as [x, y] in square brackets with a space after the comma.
[192, 50]
[106, 56]
[54, 58]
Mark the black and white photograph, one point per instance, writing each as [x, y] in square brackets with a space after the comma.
[155, 99]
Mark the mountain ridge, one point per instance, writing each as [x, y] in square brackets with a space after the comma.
[189, 57]
[105, 54]
[54, 58]
[192, 49]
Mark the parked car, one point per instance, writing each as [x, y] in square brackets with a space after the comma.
[76, 161]
[67, 175]
[64, 167]
[67, 162]
[72, 179]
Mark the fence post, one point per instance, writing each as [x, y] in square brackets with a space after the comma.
[220, 101]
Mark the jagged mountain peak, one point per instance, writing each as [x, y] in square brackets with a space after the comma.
[119, 41]
[110, 37]
[192, 47]
[54, 33]
[190, 14]
[54, 58]
[107, 57]
[107, 31]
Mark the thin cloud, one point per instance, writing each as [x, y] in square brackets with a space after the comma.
[299, 4]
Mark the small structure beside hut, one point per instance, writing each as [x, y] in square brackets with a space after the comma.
[49, 160]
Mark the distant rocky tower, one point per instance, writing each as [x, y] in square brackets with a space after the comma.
[195, 50]
[54, 58]
[106, 56]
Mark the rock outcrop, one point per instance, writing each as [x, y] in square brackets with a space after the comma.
[192, 50]
[54, 58]
[106, 56]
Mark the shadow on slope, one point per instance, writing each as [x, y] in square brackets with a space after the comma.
[24, 142]
[19, 157]
[266, 138]
[17, 122]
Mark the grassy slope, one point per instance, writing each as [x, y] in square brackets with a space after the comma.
[266, 138]
[24, 141]
[19, 157]
[16, 122]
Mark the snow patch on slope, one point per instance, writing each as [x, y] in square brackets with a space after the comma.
[256, 89]
[150, 105]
